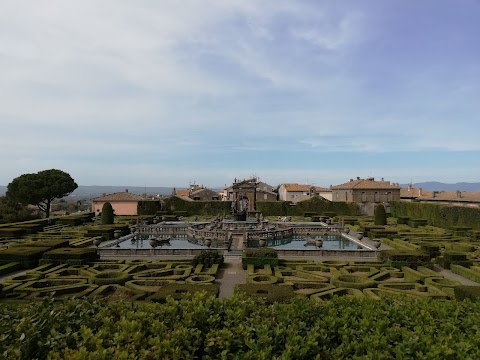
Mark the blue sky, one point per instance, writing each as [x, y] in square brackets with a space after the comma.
[167, 93]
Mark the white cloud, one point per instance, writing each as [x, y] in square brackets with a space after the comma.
[209, 78]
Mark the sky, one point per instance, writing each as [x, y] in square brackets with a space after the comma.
[170, 93]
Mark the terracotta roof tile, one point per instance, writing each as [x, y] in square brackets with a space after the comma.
[414, 193]
[366, 184]
[463, 196]
[182, 192]
[121, 196]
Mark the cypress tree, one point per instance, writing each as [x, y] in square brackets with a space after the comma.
[380, 215]
[107, 213]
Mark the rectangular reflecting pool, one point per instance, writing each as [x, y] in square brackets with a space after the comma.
[330, 242]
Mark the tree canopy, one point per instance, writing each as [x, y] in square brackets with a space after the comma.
[41, 188]
[14, 212]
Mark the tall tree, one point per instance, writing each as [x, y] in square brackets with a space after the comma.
[41, 188]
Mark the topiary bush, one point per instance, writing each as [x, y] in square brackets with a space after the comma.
[380, 215]
[107, 213]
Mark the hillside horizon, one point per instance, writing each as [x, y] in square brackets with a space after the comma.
[92, 191]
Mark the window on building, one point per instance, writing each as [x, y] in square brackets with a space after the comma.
[265, 197]
[364, 196]
[389, 196]
[376, 196]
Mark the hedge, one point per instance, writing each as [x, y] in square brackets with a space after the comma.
[10, 267]
[463, 292]
[28, 256]
[173, 204]
[116, 292]
[314, 205]
[444, 216]
[111, 277]
[52, 243]
[466, 273]
[208, 258]
[179, 291]
[243, 328]
[399, 258]
[71, 256]
[269, 292]
[332, 293]
[352, 282]
[450, 258]
[260, 257]
[14, 232]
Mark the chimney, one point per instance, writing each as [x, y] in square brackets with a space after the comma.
[459, 194]
[382, 179]
[420, 192]
[410, 187]
[358, 177]
[126, 190]
[351, 180]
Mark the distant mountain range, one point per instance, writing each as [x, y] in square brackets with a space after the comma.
[438, 186]
[89, 192]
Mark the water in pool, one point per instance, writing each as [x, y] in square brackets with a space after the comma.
[293, 243]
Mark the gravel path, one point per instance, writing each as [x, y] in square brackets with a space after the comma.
[230, 275]
[447, 274]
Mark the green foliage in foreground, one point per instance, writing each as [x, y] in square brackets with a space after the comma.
[241, 328]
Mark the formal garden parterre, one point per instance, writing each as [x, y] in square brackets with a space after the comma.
[50, 266]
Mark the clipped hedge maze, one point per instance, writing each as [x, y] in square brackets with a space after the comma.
[112, 280]
[325, 279]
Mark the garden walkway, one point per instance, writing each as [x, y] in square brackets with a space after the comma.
[448, 274]
[231, 274]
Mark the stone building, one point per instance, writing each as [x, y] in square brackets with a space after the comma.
[367, 193]
[263, 191]
[197, 192]
[299, 192]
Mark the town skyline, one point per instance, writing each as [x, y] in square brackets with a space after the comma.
[168, 93]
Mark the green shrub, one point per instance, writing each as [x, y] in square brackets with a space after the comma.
[399, 258]
[9, 268]
[107, 213]
[179, 291]
[259, 257]
[352, 282]
[269, 292]
[208, 258]
[433, 250]
[444, 216]
[380, 215]
[42, 242]
[463, 292]
[451, 257]
[466, 272]
[111, 277]
[245, 328]
[28, 256]
[14, 232]
[71, 256]
[403, 220]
